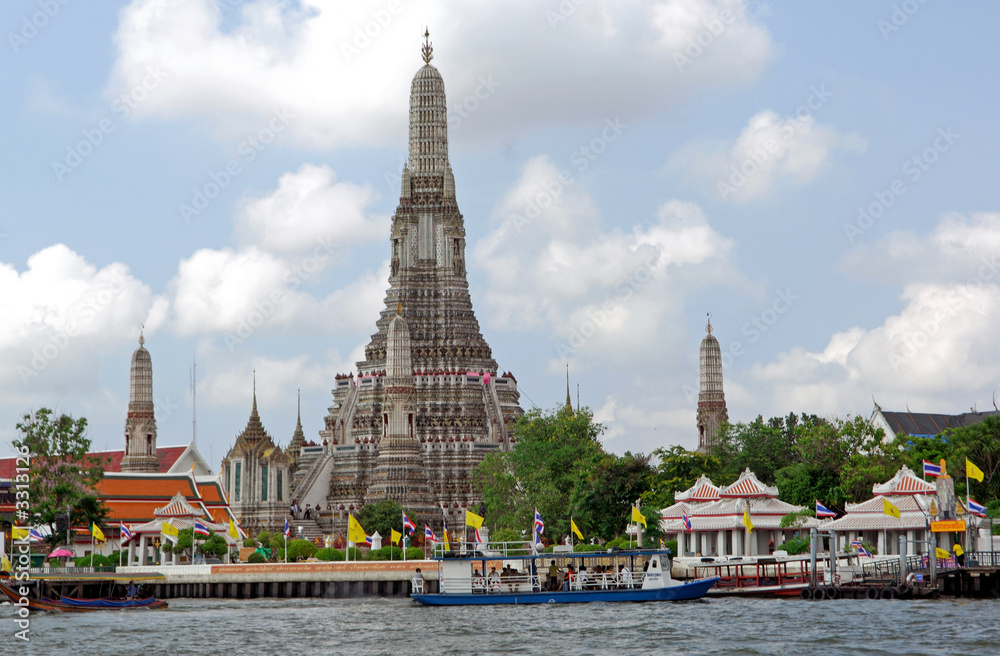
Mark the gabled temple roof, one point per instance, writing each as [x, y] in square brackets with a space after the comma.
[870, 515]
[178, 507]
[929, 424]
[703, 490]
[748, 486]
[904, 482]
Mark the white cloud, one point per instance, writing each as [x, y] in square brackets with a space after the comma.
[599, 295]
[345, 87]
[310, 211]
[936, 354]
[62, 314]
[960, 249]
[770, 149]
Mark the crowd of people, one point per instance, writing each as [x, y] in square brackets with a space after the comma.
[600, 577]
[310, 511]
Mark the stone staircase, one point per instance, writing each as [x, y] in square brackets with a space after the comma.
[310, 529]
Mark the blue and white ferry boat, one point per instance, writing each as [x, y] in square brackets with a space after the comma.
[510, 573]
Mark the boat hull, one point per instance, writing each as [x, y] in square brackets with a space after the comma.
[83, 605]
[684, 592]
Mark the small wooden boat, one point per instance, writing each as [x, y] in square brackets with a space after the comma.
[589, 576]
[72, 605]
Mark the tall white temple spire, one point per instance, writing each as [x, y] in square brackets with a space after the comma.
[140, 424]
[712, 411]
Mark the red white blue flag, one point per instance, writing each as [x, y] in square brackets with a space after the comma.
[35, 534]
[408, 524]
[429, 534]
[125, 533]
[368, 539]
[201, 529]
[686, 521]
[288, 530]
[977, 509]
[823, 511]
[857, 544]
[538, 526]
[930, 469]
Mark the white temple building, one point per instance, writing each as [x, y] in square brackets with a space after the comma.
[717, 518]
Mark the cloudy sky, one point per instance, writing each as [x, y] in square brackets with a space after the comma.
[821, 178]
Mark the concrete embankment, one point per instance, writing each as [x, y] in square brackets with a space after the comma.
[315, 579]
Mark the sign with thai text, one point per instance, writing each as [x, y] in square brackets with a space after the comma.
[948, 526]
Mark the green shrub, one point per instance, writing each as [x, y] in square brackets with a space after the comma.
[386, 553]
[93, 560]
[505, 535]
[250, 542]
[264, 537]
[330, 554]
[353, 553]
[672, 545]
[300, 550]
[255, 558]
[795, 546]
[414, 553]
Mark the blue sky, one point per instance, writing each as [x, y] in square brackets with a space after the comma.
[818, 308]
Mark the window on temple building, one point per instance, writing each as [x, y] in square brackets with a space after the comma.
[279, 485]
[149, 444]
[237, 480]
[263, 483]
[229, 479]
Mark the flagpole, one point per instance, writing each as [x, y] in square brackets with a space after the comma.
[968, 484]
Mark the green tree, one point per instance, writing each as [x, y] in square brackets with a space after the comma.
[61, 475]
[980, 443]
[677, 469]
[603, 501]
[382, 516]
[555, 451]
[870, 459]
[300, 550]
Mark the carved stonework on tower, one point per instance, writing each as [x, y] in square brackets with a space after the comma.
[711, 399]
[140, 425]
[456, 408]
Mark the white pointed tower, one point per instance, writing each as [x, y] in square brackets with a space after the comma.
[140, 425]
[711, 399]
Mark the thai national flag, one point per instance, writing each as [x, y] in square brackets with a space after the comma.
[686, 521]
[201, 529]
[930, 469]
[857, 544]
[125, 533]
[479, 539]
[823, 511]
[288, 531]
[35, 534]
[977, 509]
[429, 534]
[539, 524]
[368, 539]
[408, 524]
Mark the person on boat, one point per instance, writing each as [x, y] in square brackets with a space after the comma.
[494, 580]
[625, 576]
[569, 583]
[585, 580]
[553, 577]
[478, 583]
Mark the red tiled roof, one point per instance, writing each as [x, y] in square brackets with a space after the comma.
[167, 456]
[123, 486]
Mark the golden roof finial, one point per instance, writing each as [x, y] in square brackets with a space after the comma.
[142, 340]
[709, 326]
[427, 51]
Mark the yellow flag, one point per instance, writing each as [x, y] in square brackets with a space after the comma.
[746, 518]
[97, 533]
[638, 517]
[576, 529]
[18, 533]
[169, 531]
[473, 520]
[958, 549]
[355, 533]
[971, 471]
[233, 533]
[5, 565]
[941, 553]
[447, 542]
[889, 509]
[396, 536]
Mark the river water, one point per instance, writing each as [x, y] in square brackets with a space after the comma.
[373, 627]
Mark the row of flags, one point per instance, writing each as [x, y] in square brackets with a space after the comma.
[936, 470]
